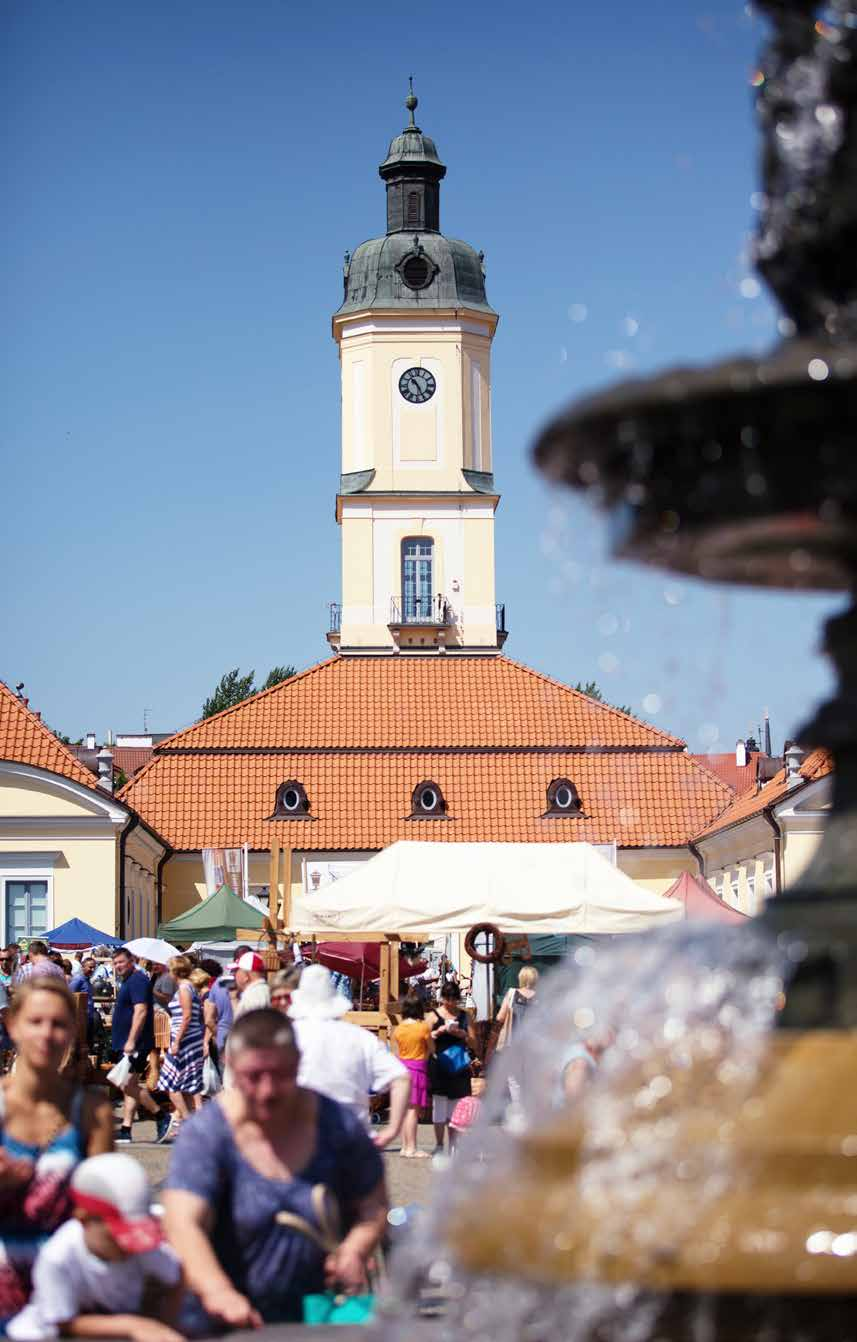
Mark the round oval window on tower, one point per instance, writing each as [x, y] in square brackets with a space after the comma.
[416, 272]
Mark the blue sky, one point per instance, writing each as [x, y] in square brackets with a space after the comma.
[182, 181]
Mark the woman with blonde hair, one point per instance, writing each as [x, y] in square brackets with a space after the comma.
[48, 1124]
[515, 1004]
[181, 1071]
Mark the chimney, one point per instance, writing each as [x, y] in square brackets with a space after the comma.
[109, 740]
[794, 759]
[767, 737]
[740, 754]
[105, 769]
[90, 740]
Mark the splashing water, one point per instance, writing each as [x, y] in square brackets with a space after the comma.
[596, 1215]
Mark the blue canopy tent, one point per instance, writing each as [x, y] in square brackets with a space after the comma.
[76, 935]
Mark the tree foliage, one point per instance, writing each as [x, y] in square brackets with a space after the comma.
[233, 688]
[276, 675]
[593, 691]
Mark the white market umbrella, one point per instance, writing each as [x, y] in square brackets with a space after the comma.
[152, 948]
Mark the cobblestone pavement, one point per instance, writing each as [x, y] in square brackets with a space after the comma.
[407, 1180]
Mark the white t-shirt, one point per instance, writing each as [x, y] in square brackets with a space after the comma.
[68, 1280]
[256, 995]
[345, 1062]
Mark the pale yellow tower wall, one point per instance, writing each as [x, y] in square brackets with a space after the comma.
[415, 448]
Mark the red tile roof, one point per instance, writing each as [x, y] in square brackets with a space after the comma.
[418, 703]
[701, 903]
[360, 732]
[24, 739]
[816, 765]
[738, 777]
[130, 759]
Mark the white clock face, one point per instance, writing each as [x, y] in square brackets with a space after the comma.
[417, 385]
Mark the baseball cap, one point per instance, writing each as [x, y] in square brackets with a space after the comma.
[251, 963]
[115, 1188]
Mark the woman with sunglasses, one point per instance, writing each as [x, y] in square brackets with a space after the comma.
[282, 986]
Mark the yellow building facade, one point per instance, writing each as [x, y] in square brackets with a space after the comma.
[68, 848]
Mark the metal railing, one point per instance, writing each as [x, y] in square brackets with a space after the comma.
[500, 609]
[335, 617]
[421, 610]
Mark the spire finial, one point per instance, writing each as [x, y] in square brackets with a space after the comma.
[411, 102]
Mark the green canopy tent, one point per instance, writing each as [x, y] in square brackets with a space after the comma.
[216, 918]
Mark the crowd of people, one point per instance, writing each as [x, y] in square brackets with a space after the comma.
[276, 1190]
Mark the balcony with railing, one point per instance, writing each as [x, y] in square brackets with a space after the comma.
[423, 610]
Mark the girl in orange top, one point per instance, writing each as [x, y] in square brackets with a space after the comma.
[413, 1043]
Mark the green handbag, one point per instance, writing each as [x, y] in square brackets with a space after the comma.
[327, 1306]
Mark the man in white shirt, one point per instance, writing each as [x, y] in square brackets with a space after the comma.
[345, 1061]
[251, 982]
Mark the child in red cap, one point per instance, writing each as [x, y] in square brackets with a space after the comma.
[90, 1278]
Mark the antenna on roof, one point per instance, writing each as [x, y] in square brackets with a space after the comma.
[146, 712]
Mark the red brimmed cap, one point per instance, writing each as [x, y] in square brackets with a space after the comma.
[115, 1188]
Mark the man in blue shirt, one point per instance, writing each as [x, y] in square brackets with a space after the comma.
[133, 1034]
[80, 983]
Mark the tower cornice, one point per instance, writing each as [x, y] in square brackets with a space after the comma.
[398, 320]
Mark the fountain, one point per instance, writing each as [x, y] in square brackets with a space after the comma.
[705, 1185]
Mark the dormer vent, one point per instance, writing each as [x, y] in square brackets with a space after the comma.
[427, 802]
[563, 798]
[292, 802]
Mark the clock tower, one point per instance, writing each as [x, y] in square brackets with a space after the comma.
[416, 499]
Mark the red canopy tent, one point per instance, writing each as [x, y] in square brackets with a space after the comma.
[701, 903]
[357, 959]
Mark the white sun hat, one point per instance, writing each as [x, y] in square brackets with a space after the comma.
[316, 996]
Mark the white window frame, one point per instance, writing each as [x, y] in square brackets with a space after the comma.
[34, 873]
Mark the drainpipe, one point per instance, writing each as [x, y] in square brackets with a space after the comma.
[159, 906]
[698, 855]
[133, 822]
[768, 813]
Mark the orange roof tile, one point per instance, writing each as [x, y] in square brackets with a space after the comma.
[361, 732]
[418, 702]
[816, 765]
[130, 759]
[24, 739]
[739, 777]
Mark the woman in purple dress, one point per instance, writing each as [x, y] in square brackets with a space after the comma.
[253, 1181]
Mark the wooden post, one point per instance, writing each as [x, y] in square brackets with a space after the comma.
[287, 889]
[273, 884]
[393, 945]
[384, 986]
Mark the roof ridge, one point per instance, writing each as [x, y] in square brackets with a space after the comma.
[676, 741]
[256, 695]
[80, 773]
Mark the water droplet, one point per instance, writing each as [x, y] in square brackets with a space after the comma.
[652, 703]
[818, 370]
[607, 624]
[844, 1245]
[630, 326]
[820, 1241]
[749, 288]
[786, 327]
[755, 484]
[578, 312]
[826, 115]
[563, 354]
[608, 662]
[584, 1017]
[758, 200]
[757, 79]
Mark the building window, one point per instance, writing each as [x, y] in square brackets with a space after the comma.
[292, 802]
[417, 580]
[26, 907]
[734, 887]
[563, 798]
[427, 802]
[413, 208]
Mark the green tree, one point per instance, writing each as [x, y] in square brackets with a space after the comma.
[233, 688]
[276, 675]
[593, 691]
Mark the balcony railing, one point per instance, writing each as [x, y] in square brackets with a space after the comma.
[335, 617]
[434, 610]
[501, 618]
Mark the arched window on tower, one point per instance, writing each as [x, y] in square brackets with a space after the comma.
[417, 579]
[413, 209]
